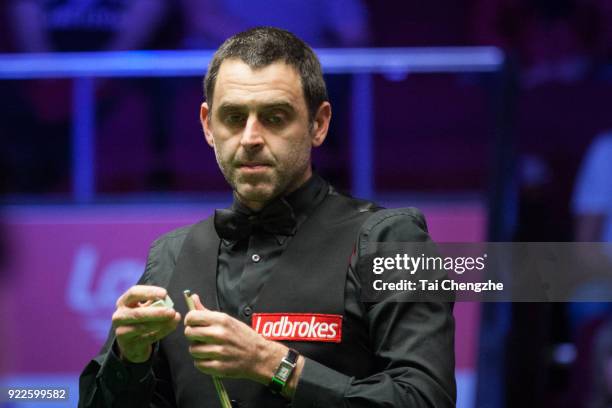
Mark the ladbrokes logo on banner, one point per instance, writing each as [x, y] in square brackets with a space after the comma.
[299, 326]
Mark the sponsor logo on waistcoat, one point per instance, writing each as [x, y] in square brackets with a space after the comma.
[299, 326]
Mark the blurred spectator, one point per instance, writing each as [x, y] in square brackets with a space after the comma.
[540, 219]
[601, 368]
[5, 40]
[84, 25]
[554, 40]
[592, 206]
[3, 237]
[593, 195]
[36, 122]
[320, 23]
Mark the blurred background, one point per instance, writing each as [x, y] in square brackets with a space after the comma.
[94, 167]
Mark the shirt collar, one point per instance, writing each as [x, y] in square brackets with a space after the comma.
[302, 201]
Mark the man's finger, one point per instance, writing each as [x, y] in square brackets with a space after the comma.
[157, 330]
[210, 367]
[206, 334]
[127, 332]
[153, 336]
[205, 318]
[206, 351]
[126, 316]
[134, 331]
[141, 293]
[139, 328]
[170, 326]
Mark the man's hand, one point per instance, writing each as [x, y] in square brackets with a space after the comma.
[137, 326]
[225, 347]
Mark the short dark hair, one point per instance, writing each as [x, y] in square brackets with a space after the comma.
[262, 46]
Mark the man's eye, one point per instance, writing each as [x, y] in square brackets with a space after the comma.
[234, 119]
[274, 119]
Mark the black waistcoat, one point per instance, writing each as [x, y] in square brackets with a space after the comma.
[309, 277]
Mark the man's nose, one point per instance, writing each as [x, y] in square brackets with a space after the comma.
[252, 135]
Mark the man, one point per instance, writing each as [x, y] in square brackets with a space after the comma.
[276, 271]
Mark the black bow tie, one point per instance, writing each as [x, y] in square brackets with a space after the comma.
[276, 218]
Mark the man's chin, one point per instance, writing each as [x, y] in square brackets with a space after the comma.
[261, 193]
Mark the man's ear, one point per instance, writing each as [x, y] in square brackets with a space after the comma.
[205, 120]
[320, 125]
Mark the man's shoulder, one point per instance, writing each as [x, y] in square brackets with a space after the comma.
[398, 218]
[173, 238]
[170, 243]
[164, 253]
[393, 225]
[381, 217]
[379, 224]
[350, 204]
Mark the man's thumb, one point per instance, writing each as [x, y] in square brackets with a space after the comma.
[197, 302]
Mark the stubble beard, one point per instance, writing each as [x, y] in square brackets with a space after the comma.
[263, 188]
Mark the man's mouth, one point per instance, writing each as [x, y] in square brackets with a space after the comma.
[253, 167]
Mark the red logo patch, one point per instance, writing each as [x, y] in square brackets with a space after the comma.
[299, 326]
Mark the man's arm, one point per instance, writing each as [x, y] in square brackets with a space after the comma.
[113, 378]
[414, 364]
[412, 342]
[109, 380]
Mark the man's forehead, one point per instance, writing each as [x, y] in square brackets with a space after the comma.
[236, 64]
[237, 81]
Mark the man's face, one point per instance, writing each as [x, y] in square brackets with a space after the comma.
[260, 131]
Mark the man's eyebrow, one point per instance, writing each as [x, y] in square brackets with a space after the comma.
[230, 106]
[278, 105]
